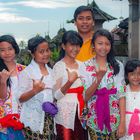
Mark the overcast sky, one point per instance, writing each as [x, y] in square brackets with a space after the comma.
[26, 18]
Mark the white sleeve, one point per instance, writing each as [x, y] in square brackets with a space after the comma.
[120, 82]
[58, 71]
[25, 83]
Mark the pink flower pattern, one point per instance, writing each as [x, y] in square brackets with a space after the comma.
[113, 119]
[90, 68]
[115, 104]
[114, 107]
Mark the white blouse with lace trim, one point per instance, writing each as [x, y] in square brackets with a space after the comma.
[67, 104]
[132, 103]
[32, 114]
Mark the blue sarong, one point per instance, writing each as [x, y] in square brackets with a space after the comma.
[12, 135]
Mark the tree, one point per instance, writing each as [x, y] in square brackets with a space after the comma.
[22, 44]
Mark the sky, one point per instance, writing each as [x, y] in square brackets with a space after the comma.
[25, 18]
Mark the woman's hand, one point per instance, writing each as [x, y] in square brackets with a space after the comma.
[72, 76]
[4, 75]
[38, 85]
[100, 72]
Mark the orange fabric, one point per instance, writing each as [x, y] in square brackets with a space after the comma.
[79, 91]
[86, 51]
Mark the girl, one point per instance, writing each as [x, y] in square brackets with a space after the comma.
[68, 90]
[35, 87]
[9, 71]
[132, 78]
[103, 79]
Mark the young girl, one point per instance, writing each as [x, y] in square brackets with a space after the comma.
[68, 90]
[35, 87]
[132, 78]
[9, 107]
[104, 82]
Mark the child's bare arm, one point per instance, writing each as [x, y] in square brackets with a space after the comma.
[99, 75]
[122, 107]
[4, 75]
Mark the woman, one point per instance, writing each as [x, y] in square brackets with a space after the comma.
[9, 107]
[35, 88]
[103, 77]
[68, 90]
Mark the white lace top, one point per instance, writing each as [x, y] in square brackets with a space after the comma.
[14, 89]
[31, 112]
[11, 105]
[132, 103]
[67, 104]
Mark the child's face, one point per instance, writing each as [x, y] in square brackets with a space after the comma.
[71, 50]
[84, 22]
[102, 46]
[134, 77]
[42, 53]
[7, 52]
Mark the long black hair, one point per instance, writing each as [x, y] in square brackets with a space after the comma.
[110, 56]
[10, 39]
[130, 66]
[71, 37]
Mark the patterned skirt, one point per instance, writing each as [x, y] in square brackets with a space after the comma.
[48, 131]
[68, 134]
[100, 136]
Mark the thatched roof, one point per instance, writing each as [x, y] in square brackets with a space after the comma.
[98, 11]
[99, 14]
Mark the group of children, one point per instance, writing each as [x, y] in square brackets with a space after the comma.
[73, 100]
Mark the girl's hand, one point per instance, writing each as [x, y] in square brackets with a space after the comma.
[100, 72]
[72, 76]
[38, 85]
[4, 75]
[121, 130]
